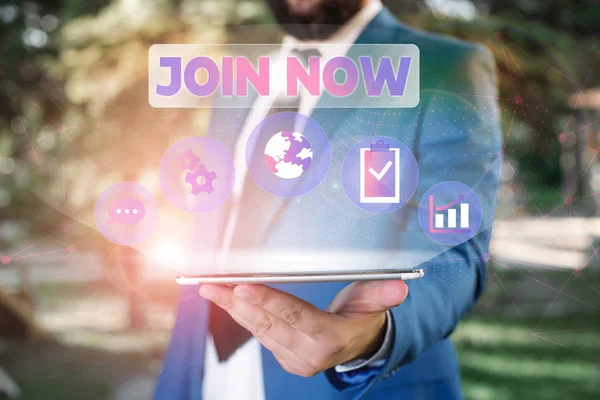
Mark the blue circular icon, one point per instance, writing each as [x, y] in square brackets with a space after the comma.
[450, 213]
[284, 160]
[380, 174]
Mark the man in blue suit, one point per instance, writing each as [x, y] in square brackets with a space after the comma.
[368, 340]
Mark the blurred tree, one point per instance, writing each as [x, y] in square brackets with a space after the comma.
[576, 16]
[544, 53]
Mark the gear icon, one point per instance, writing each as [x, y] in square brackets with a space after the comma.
[192, 178]
[188, 160]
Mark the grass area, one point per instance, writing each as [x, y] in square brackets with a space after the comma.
[501, 359]
[51, 371]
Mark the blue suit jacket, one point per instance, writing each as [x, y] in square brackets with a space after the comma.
[454, 134]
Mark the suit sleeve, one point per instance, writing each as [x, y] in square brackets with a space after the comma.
[459, 139]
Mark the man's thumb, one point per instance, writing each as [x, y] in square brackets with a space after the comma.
[369, 297]
[391, 293]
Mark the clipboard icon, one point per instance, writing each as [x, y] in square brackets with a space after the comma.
[380, 174]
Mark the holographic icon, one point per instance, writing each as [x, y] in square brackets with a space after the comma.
[126, 211]
[442, 219]
[188, 160]
[196, 174]
[288, 154]
[380, 174]
[280, 159]
[450, 213]
[201, 180]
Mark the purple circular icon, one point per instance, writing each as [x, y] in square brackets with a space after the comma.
[285, 161]
[288, 154]
[196, 174]
[380, 174]
[450, 213]
[126, 213]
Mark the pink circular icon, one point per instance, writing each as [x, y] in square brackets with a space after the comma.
[126, 213]
[196, 174]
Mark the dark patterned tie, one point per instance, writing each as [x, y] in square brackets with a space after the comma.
[249, 232]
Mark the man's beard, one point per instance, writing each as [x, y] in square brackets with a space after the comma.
[319, 23]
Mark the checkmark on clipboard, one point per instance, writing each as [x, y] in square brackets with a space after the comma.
[380, 174]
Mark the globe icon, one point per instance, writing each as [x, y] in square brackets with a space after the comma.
[288, 154]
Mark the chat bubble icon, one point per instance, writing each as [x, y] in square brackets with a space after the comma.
[126, 211]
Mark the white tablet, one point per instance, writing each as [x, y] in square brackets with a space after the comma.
[312, 277]
[295, 266]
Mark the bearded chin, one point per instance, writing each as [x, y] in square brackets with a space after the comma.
[318, 24]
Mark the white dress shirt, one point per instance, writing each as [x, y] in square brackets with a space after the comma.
[241, 375]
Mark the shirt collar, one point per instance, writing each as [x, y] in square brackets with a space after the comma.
[343, 39]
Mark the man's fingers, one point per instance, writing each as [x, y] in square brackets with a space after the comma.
[369, 297]
[294, 311]
[286, 358]
[261, 323]
[290, 347]
[218, 294]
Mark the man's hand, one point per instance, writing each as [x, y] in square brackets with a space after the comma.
[304, 339]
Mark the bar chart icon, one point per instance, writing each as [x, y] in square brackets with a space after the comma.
[450, 213]
[449, 218]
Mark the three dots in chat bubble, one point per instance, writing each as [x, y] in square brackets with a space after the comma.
[126, 213]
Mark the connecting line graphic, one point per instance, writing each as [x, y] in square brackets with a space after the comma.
[532, 201]
[503, 46]
[62, 167]
[591, 286]
[519, 100]
[544, 284]
[554, 14]
[23, 126]
[512, 120]
[33, 103]
[39, 254]
[67, 246]
[590, 243]
[553, 68]
[506, 260]
[553, 301]
[42, 137]
[539, 336]
[537, 136]
[569, 331]
[562, 136]
[582, 127]
[506, 291]
[581, 92]
[27, 248]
